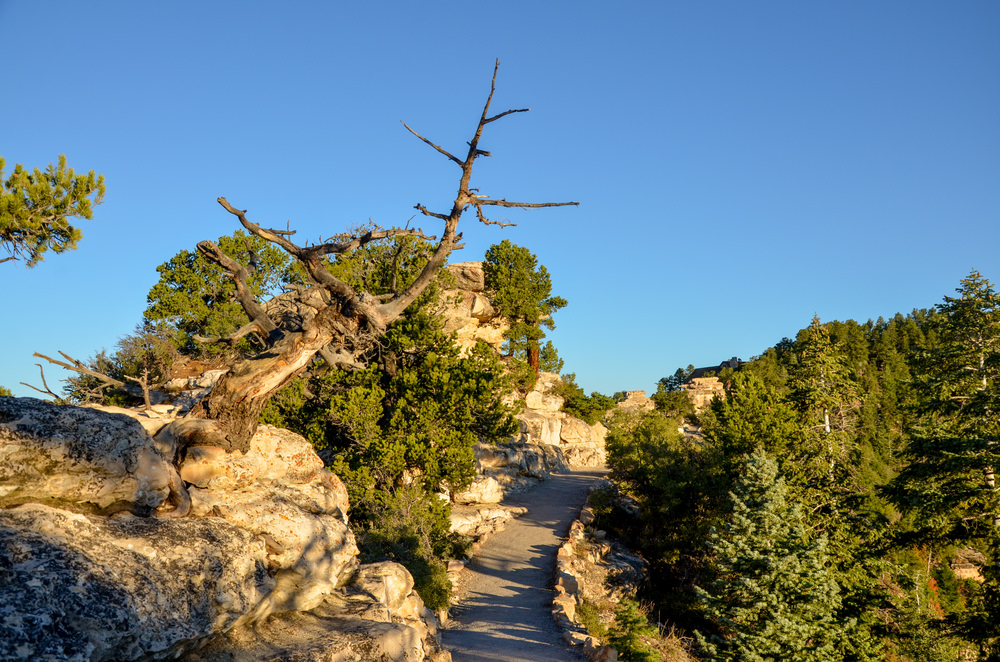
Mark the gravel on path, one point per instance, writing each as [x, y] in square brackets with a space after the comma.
[504, 607]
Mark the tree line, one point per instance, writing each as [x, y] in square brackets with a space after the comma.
[840, 502]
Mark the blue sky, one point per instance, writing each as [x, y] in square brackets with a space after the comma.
[740, 166]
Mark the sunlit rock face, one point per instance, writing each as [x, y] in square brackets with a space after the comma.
[74, 587]
[542, 422]
[87, 573]
[80, 459]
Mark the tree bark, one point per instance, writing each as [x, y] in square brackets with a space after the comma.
[238, 398]
[534, 354]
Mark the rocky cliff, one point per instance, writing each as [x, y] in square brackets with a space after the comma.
[94, 567]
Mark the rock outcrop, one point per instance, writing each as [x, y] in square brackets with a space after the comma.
[87, 574]
[467, 311]
[702, 390]
[543, 423]
[636, 401]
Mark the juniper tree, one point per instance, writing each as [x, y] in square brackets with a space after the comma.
[332, 318]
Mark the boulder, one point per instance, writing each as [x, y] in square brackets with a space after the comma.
[484, 489]
[74, 587]
[337, 630]
[468, 276]
[82, 460]
[279, 490]
[541, 428]
[575, 431]
[266, 547]
[544, 402]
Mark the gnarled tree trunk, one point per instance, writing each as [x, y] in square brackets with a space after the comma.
[345, 322]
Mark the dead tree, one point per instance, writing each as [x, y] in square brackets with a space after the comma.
[335, 321]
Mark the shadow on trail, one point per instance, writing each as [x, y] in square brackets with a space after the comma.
[506, 611]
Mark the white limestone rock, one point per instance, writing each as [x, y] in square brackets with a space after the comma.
[121, 588]
[78, 459]
[484, 489]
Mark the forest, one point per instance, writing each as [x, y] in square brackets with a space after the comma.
[840, 503]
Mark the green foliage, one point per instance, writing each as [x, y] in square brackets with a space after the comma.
[674, 404]
[399, 430]
[675, 479]
[548, 359]
[197, 297]
[589, 616]
[590, 409]
[408, 525]
[774, 596]
[675, 381]
[146, 355]
[35, 206]
[752, 417]
[627, 634]
[6, 391]
[521, 290]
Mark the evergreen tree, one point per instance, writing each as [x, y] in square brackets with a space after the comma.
[627, 634]
[196, 297]
[825, 397]
[948, 486]
[35, 206]
[751, 417]
[774, 596]
[521, 290]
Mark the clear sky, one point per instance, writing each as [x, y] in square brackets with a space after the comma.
[740, 166]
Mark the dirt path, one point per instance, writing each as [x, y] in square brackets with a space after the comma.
[504, 610]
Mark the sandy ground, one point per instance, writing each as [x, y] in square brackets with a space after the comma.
[504, 607]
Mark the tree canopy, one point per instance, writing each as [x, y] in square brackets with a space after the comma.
[521, 290]
[35, 208]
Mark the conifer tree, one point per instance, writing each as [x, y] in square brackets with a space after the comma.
[825, 396]
[949, 484]
[950, 478]
[521, 289]
[774, 597]
[35, 206]
[628, 631]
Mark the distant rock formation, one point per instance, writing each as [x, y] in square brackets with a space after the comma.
[636, 401]
[87, 573]
[701, 390]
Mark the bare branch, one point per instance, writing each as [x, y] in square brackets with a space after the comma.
[523, 205]
[239, 274]
[356, 242]
[274, 236]
[242, 332]
[440, 149]
[425, 212]
[47, 390]
[486, 221]
[340, 358]
[76, 366]
[504, 114]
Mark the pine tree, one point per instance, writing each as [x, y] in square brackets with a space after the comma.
[35, 206]
[949, 485]
[521, 289]
[774, 596]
